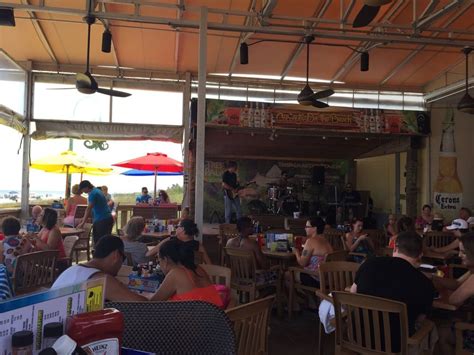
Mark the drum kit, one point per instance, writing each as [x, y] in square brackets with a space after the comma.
[282, 199]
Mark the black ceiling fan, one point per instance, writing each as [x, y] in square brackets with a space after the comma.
[466, 104]
[368, 12]
[307, 96]
[85, 82]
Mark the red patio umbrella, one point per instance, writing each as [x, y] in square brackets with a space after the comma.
[153, 162]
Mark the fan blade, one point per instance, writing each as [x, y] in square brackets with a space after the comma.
[115, 93]
[61, 89]
[323, 94]
[365, 16]
[319, 104]
[304, 97]
[376, 2]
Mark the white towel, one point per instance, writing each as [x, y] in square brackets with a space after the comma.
[327, 315]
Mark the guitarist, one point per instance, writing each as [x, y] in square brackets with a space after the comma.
[230, 185]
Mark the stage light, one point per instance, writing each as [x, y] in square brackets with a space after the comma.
[364, 61]
[7, 17]
[244, 53]
[106, 41]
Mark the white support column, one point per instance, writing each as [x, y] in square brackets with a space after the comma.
[201, 120]
[187, 129]
[397, 209]
[25, 175]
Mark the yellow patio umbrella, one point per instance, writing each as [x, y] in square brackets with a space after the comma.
[70, 162]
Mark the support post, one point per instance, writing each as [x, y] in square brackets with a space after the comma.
[411, 182]
[201, 121]
[187, 129]
[398, 209]
[25, 176]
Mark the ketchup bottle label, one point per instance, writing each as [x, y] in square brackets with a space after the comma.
[108, 346]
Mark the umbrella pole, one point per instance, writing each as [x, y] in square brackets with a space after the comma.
[67, 193]
[154, 194]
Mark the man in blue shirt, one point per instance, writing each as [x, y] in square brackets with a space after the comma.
[144, 197]
[97, 204]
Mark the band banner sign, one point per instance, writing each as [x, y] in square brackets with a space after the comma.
[263, 115]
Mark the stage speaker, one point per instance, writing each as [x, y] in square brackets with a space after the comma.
[318, 175]
[423, 121]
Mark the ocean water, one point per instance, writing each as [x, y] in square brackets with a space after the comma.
[7, 196]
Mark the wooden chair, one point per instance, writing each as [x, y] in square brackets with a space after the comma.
[251, 326]
[84, 243]
[220, 275]
[340, 255]
[34, 271]
[298, 286]
[334, 236]
[385, 251]
[365, 324]
[69, 243]
[129, 259]
[334, 276]
[226, 231]
[80, 212]
[437, 239]
[244, 275]
[378, 237]
[460, 328]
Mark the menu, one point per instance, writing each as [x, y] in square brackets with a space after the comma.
[32, 312]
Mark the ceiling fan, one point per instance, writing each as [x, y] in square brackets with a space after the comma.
[307, 96]
[466, 104]
[368, 12]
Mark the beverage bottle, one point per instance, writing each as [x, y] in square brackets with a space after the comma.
[372, 121]
[366, 121]
[251, 116]
[263, 117]
[244, 116]
[448, 188]
[256, 116]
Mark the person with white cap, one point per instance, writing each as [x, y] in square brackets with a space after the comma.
[459, 227]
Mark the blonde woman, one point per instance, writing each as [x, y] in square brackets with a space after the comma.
[71, 204]
[133, 231]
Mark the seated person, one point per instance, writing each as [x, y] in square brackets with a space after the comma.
[6, 290]
[49, 238]
[163, 197]
[184, 280]
[185, 214]
[71, 204]
[425, 219]
[391, 226]
[465, 213]
[106, 263]
[246, 229]
[404, 224]
[314, 251]
[144, 198]
[356, 242]
[33, 225]
[458, 227]
[398, 278]
[186, 232]
[133, 231]
[108, 198]
[13, 245]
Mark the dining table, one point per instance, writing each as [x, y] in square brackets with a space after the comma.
[67, 231]
[281, 258]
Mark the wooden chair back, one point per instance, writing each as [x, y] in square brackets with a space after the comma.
[80, 212]
[336, 275]
[251, 326]
[364, 324]
[340, 255]
[83, 243]
[69, 243]
[198, 257]
[34, 271]
[226, 232]
[242, 265]
[219, 275]
[438, 239]
[460, 329]
[334, 237]
[378, 237]
[129, 259]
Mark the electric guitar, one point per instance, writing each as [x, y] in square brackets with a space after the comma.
[233, 193]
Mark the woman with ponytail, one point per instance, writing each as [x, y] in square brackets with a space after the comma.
[185, 232]
[184, 280]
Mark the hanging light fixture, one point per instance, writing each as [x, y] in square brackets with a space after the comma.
[106, 41]
[244, 53]
[7, 17]
[364, 61]
[466, 104]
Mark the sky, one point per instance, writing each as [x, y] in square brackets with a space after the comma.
[142, 107]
